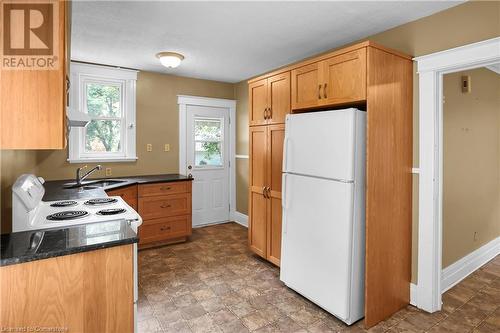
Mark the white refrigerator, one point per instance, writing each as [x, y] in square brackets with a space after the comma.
[323, 240]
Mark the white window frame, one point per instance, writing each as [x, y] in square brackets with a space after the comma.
[124, 78]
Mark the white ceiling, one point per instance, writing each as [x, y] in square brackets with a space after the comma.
[229, 41]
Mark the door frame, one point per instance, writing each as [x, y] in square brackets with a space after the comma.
[183, 101]
[430, 69]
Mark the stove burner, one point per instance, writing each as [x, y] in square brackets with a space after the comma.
[111, 211]
[100, 201]
[68, 203]
[67, 215]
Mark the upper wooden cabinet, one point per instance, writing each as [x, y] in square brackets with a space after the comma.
[33, 101]
[335, 80]
[270, 100]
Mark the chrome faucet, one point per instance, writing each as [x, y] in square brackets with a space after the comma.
[80, 178]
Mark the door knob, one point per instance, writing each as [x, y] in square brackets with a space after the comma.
[190, 167]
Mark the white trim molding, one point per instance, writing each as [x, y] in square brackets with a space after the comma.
[184, 101]
[431, 69]
[463, 267]
[240, 218]
[413, 294]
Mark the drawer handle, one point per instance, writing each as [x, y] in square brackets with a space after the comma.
[164, 228]
[165, 206]
[165, 188]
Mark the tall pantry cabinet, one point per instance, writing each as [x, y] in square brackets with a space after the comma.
[372, 78]
[269, 105]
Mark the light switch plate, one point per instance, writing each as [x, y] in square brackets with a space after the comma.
[149, 147]
[167, 147]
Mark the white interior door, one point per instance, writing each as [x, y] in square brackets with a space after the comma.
[207, 160]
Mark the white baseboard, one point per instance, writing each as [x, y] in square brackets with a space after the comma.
[240, 218]
[460, 269]
[413, 294]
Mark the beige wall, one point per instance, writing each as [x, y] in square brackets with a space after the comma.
[157, 123]
[241, 96]
[471, 184]
[467, 23]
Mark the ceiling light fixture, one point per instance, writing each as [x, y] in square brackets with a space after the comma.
[170, 59]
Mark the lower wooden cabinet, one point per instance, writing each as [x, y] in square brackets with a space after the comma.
[129, 194]
[165, 209]
[266, 155]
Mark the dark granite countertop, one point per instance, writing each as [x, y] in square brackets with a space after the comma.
[54, 189]
[25, 246]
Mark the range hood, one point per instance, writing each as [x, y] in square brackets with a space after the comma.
[76, 118]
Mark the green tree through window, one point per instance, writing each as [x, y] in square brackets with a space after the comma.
[103, 106]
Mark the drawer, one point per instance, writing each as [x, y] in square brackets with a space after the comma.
[165, 205]
[148, 190]
[164, 229]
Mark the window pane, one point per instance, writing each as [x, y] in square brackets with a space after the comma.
[209, 154]
[208, 142]
[207, 130]
[103, 136]
[103, 100]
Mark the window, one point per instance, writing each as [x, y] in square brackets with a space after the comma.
[107, 96]
[208, 142]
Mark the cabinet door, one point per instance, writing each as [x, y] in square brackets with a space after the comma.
[32, 102]
[305, 86]
[344, 78]
[275, 138]
[278, 97]
[257, 206]
[257, 92]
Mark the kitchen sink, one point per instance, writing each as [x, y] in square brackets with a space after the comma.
[90, 185]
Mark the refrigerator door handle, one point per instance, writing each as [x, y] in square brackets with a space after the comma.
[285, 153]
[283, 202]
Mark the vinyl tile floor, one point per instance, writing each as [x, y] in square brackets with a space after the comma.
[213, 283]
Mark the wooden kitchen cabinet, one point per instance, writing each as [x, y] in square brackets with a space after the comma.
[33, 101]
[84, 292]
[306, 86]
[269, 100]
[336, 80]
[128, 193]
[377, 80]
[165, 209]
[257, 182]
[344, 78]
[266, 154]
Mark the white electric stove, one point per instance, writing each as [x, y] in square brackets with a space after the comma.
[29, 212]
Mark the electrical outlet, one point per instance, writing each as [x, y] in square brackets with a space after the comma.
[167, 147]
[149, 147]
[108, 171]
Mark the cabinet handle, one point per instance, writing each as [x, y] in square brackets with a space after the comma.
[324, 90]
[164, 228]
[319, 91]
[270, 113]
[268, 192]
[165, 188]
[165, 206]
[266, 113]
[264, 192]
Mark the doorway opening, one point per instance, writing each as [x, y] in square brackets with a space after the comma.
[431, 69]
[471, 173]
